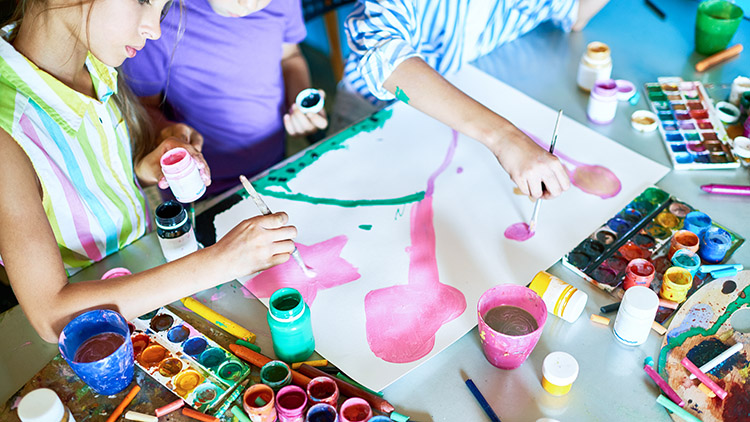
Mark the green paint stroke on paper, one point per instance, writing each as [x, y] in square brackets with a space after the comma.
[365, 226]
[281, 176]
[401, 95]
[672, 342]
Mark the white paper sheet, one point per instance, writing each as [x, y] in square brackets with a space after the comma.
[473, 204]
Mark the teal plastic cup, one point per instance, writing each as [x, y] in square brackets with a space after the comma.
[715, 25]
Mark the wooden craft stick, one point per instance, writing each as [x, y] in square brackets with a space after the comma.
[718, 58]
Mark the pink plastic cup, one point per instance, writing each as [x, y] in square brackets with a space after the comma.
[508, 351]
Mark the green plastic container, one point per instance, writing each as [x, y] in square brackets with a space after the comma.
[291, 326]
[715, 25]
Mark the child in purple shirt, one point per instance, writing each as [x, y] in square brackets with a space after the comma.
[232, 76]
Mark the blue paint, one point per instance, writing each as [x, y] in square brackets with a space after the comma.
[212, 357]
[323, 412]
[113, 373]
[697, 222]
[195, 346]
[686, 259]
[715, 243]
[683, 158]
[178, 334]
[619, 225]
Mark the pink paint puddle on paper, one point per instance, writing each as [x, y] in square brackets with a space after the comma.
[324, 258]
[519, 232]
[402, 320]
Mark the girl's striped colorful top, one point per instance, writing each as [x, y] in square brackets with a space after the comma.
[80, 149]
[444, 33]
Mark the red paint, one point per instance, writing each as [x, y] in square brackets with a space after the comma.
[140, 342]
[631, 251]
[98, 347]
[174, 157]
[292, 400]
[357, 413]
[639, 272]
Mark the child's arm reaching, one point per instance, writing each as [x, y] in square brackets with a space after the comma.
[527, 164]
[297, 78]
[587, 9]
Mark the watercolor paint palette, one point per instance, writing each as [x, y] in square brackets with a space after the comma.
[184, 360]
[642, 229]
[694, 136]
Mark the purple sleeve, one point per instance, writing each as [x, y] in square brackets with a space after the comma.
[146, 73]
[295, 30]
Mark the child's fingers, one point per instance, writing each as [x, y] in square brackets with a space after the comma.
[318, 120]
[535, 188]
[196, 140]
[282, 247]
[301, 124]
[288, 124]
[162, 183]
[279, 259]
[273, 221]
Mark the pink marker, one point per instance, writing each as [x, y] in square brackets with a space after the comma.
[727, 189]
[663, 385]
[708, 382]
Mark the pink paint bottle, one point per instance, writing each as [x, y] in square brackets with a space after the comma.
[323, 390]
[355, 409]
[183, 175]
[290, 404]
[603, 102]
[639, 272]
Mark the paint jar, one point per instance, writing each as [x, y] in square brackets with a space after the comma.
[43, 405]
[676, 284]
[684, 258]
[716, 243]
[174, 230]
[290, 404]
[97, 346]
[635, 316]
[697, 222]
[559, 370]
[596, 64]
[323, 390]
[561, 298]
[745, 104]
[276, 374]
[741, 147]
[323, 412]
[602, 105]
[740, 85]
[355, 409]
[291, 326]
[683, 239]
[511, 319]
[639, 272]
[258, 402]
[727, 112]
[310, 100]
[183, 175]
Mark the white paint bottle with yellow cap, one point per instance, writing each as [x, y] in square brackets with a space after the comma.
[561, 298]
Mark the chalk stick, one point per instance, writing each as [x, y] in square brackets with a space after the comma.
[609, 308]
[718, 58]
[140, 417]
[658, 328]
[239, 414]
[677, 410]
[315, 363]
[690, 366]
[707, 391]
[721, 357]
[665, 303]
[125, 402]
[171, 407]
[663, 385]
[599, 319]
[190, 413]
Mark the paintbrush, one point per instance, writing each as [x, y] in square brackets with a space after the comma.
[265, 211]
[537, 205]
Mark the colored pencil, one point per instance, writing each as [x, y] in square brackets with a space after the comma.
[349, 390]
[125, 402]
[219, 320]
[265, 211]
[718, 58]
[660, 13]
[727, 189]
[482, 401]
[713, 363]
[190, 413]
[677, 410]
[663, 385]
[257, 359]
[708, 382]
[171, 407]
[538, 204]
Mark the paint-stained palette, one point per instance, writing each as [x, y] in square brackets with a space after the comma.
[711, 321]
[693, 135]
[643, 229]
[184, 360]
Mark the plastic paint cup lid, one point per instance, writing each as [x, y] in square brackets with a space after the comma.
[560, 368]
[625, 89]
[644, 121]
[310, 100]
[727, 112]
[742, 146]
[116, 272]
[41, 405]
[640, 301]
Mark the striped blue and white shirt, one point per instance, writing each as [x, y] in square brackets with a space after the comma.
[444, 33]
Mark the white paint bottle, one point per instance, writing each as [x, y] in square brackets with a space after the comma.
[602, 105]
[596, 64]
[174, 230]
[183, 175]
[635, 316]
[43, 405]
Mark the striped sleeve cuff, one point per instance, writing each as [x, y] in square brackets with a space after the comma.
[564, 13]
[379, 62]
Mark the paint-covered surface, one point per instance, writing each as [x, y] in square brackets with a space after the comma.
[701, 330]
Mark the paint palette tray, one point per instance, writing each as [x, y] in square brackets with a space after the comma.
[184, 360]
[693, 135]
[642, 229]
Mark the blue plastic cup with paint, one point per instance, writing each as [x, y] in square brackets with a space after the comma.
[687, 259]
[716, 242]
[97, 346]
[697, 222]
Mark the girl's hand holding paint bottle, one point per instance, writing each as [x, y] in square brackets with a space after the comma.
[306, 115]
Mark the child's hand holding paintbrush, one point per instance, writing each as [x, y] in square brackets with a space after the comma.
[537, 205]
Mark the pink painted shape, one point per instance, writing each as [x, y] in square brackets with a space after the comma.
[519, 232]
[402, 320]
[324, 258]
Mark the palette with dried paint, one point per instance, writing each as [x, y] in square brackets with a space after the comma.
[694, 136]
[184, 360]
[642, 229]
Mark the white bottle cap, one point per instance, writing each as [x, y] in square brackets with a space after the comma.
[41, 405]
[575, 306]
[560, 368]
[640, 301]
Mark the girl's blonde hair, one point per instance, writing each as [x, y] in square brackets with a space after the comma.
[141, 131]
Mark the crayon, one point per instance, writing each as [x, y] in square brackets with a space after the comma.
[718, 58]
[669, 391]
[171, 407]
[704, 378]
[251, 346]
[727, 189]
[482, 401]
[609, 308]
[349, 390]
[677, 410]
[259, 360]
[125, 402]
[219, 320]
[190, 413]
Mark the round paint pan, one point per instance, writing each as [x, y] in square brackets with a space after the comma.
[644, 121]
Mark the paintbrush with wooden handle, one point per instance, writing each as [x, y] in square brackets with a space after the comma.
[537, 205]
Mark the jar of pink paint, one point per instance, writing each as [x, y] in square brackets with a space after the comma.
[183, 175]
[603, 102]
